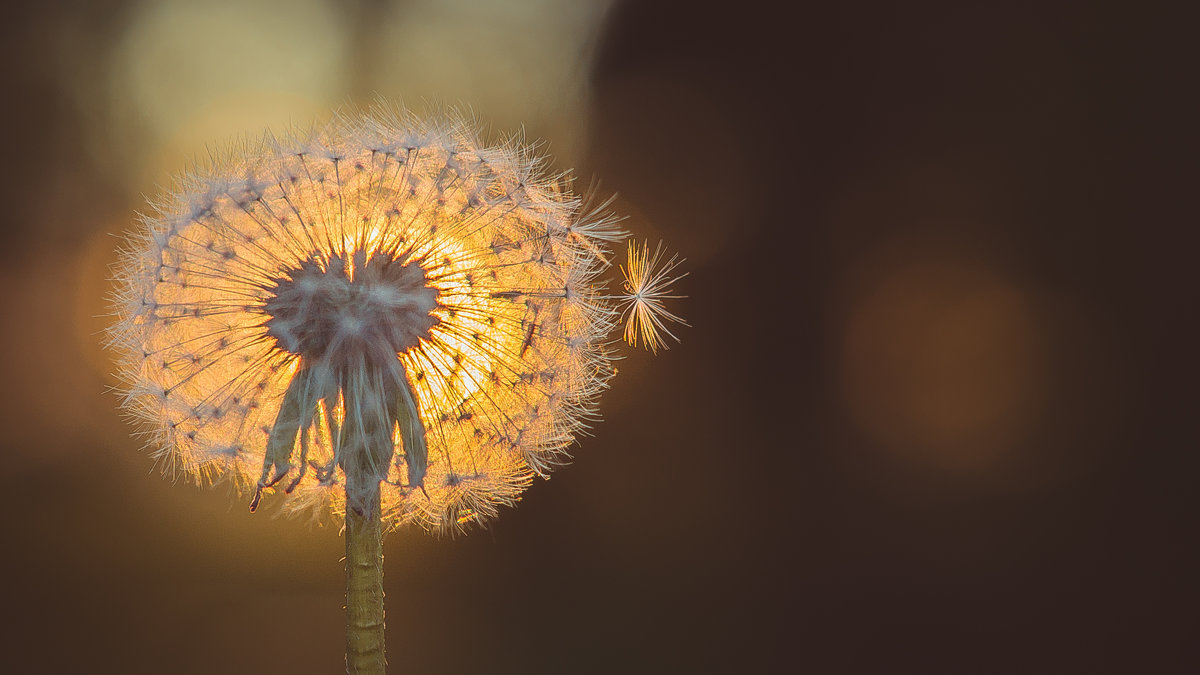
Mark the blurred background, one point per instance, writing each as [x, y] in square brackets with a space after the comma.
[935, 413]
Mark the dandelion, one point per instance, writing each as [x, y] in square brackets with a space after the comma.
[382, 319]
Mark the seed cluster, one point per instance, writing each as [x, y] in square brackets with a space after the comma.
[383, 299]
[319, 313]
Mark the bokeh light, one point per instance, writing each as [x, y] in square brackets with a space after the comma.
[517, 64]
[183, 79]
[187, 75]
[942, 358]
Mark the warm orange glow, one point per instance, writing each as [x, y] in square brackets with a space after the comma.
[942, 361]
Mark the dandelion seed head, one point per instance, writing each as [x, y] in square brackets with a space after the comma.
[380, 299]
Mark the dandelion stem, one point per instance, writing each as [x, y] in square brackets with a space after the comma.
[364, 588]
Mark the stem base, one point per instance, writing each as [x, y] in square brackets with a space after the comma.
[364, 589]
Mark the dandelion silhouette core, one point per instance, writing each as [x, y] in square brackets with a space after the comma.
[382, 300]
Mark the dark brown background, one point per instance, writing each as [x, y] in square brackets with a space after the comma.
[935, 413]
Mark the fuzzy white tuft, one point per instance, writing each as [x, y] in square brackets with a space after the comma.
[648, 283]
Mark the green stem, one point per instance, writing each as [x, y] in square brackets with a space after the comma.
[364, 589]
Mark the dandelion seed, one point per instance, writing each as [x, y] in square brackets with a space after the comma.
[648, 282]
